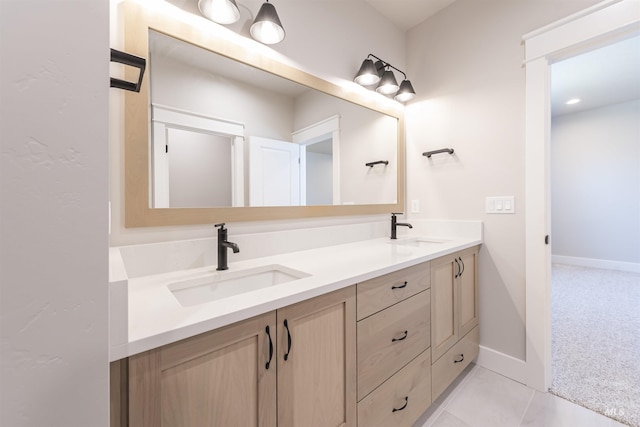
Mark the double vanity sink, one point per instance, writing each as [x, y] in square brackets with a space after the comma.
[153, 310]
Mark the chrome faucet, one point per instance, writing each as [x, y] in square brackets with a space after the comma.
[223, 245]
[395, 224]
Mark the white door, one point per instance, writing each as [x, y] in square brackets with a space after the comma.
[274, 172]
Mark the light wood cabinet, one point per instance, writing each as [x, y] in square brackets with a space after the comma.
[390, 339]
[317, 362]
[401, 399]
[217, 378]
[292, 367]
[394, 361]
[454, 309]
[374, 354]
[384, 291]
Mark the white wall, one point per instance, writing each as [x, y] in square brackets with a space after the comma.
[595, 183]
[263, 112]
[466, 66]
[327, 38]
[53, 219]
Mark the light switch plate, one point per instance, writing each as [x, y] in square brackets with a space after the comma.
[500, 205]
[415, 206]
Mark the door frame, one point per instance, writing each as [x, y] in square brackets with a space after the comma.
[596, 26]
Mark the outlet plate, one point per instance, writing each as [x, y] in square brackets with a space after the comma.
[415, 206]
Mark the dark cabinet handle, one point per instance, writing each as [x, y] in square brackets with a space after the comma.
[286, 325]
[404, 337]
[462, 263]
[458, 272]
[406, 402]
[404, 285]
[460, 359]
[270, 347]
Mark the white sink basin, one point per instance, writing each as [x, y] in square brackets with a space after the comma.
[223, 284]
[419, 242]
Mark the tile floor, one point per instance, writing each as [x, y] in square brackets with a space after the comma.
[482, 398]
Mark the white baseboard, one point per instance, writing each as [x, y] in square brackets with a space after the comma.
[503, 364]
[596, 263]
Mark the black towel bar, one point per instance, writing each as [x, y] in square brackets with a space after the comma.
[442, 150]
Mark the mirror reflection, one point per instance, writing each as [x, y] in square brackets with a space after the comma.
[225, 134]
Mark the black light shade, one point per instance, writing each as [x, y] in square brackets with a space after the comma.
[406, 92]
[380, 72]
[368, 74]
[267, 28]
[388, 83]
[220, 11]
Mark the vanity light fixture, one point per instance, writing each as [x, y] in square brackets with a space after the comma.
[267, 28]
[573, 101]
[220, 11]
[380, 73]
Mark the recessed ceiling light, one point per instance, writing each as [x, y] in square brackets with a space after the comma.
[573, 101]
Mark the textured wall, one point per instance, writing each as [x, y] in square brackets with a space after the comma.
[53, 220]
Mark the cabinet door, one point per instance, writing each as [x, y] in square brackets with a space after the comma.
[316, 362]
[444, 302]
[468, 288]
[218, 378]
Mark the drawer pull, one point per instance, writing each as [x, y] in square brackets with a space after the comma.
[404, 285]
[286, 325]
[460, 359]
[406, 402]
[270, 347]
[404, 337]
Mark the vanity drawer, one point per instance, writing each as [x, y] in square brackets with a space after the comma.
[384, 291]
[391, 338]
[408, 392]
[450, 365]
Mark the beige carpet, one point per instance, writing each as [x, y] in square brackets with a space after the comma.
[596, 340]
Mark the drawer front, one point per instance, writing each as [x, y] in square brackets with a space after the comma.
[391, 338]
[400, 400]
[453, 362]
[384, 291]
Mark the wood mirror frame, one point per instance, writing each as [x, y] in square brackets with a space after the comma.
[138, 20]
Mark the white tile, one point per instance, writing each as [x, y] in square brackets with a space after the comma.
[488, 399]
[437, 407]
[547, 410]
[446, 419]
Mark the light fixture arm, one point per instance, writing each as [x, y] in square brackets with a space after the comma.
[386, 64]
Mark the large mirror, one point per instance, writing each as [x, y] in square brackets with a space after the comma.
[218, 133]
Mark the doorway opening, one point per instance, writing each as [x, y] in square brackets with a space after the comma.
[595, 224]
[594, 27]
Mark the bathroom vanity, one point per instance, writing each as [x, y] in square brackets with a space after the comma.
[373, 333]
[332, 326]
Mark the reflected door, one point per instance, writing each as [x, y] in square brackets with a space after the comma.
[274, 172]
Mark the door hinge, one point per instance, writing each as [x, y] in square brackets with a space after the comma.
[546, 239]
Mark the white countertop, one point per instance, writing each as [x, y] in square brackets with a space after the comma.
[156, 318]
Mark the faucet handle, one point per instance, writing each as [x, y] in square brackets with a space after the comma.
[221, 225]
[397, 213]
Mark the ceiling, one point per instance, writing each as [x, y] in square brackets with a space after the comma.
[605, 76]
[406, 14]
